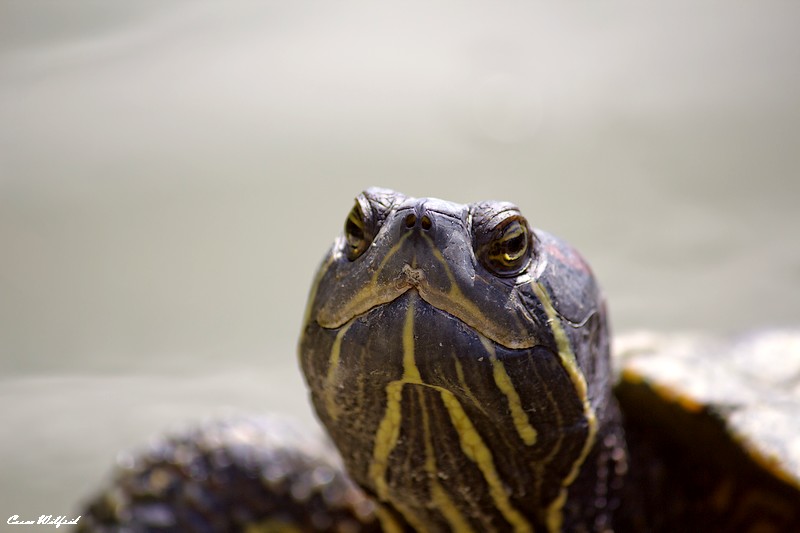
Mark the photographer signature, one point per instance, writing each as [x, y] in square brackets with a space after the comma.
[45, 519]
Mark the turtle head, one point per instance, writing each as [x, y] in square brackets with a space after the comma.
[459, 360]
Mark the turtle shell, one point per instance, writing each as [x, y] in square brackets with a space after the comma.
[245, 473]
[713, 428]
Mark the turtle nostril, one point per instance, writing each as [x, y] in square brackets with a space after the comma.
[411, 220]
[426, 222]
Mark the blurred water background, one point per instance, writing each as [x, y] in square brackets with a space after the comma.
[171, 174]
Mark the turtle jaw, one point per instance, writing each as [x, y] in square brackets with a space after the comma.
[410, 393]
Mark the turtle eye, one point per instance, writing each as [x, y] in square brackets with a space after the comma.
[357, 231]
[508, 248]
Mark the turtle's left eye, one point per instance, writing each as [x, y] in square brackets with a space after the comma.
[358, 230]
[507, 250]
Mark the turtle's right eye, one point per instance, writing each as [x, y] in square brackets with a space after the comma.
[358, 230]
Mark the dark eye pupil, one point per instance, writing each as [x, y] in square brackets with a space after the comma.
[515, 245]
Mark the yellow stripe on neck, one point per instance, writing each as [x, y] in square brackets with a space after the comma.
[476, 450]
[521, 421]
[331, 382]
[443, 503]
[555, 516]
[389, 427]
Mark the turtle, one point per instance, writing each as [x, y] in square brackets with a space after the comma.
[460, 362]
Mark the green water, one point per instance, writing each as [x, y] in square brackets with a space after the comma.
[170, 175]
